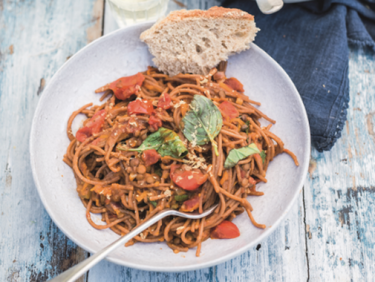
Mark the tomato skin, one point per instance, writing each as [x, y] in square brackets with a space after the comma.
[155, 122]
[83, 133]
[229, 110]
[93, 126]
[165, 102]
[140, 107]
[187, 179]
[235, 84]
[191, 204]
[150, 157]
[225, 230]
[124, 87]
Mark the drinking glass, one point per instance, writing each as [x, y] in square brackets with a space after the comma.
[128, 12]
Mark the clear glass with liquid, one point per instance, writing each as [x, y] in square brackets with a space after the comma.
[129, 12]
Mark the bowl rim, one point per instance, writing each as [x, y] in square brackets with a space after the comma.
[216, 261]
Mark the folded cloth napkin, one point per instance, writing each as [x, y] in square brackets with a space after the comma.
[310, 41]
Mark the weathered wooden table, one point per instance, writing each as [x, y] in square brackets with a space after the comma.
[327, 236]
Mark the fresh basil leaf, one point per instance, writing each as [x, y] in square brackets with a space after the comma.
[154, 203]
[235, 155]
[263, 156]
[172, 144]
[165, 141]
[153, 141]
[203, 122]
[181, 198]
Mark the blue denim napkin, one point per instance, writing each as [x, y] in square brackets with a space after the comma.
[310, 41]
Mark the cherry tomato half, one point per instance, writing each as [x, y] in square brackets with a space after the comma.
[225, 230]
[229, 110]
[140, 107]
[94, 125]
[234, 84]
[187, 179]
[124, 87]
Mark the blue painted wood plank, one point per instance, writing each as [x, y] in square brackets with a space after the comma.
[339, 195]
[36, 38]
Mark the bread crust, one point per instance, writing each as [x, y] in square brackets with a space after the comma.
[195, 41]
[212, 13]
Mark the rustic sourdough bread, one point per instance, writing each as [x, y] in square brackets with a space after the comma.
[195, 41]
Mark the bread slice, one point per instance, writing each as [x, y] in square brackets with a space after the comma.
[195, 41]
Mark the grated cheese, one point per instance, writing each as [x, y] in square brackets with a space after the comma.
[179, 104]
[196, 162]
[203, 81]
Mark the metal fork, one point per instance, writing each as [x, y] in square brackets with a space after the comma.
[76, 271]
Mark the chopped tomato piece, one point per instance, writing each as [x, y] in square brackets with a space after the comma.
[150, 157]
[83, 133]
[234, 84]
[187, 179]
[230, 111]
[124, 87]
[94, 125]
[165, 102]
[225, 230]
[155, 122]
[191, 204]
[140, 107]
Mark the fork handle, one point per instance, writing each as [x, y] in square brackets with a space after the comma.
[78, 270]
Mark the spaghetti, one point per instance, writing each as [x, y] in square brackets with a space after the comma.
[127, 185]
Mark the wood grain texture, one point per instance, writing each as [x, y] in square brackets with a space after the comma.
[36, 38]
[340, 196]
[326, 236]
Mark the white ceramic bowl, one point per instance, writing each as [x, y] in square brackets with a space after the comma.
[119, 54]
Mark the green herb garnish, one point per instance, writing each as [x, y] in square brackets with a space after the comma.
[181, 198]
[203, 122]
[165, 141]
[235, 155]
